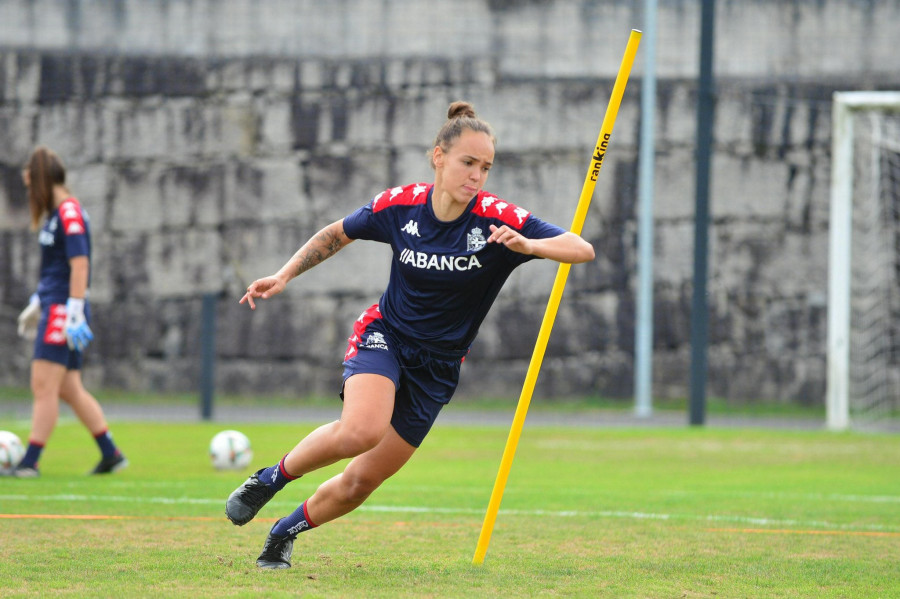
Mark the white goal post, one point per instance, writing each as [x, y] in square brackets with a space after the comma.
[863, 353]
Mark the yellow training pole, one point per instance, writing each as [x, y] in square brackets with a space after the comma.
[587, 191]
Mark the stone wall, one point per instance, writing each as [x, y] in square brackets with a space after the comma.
[209, 139]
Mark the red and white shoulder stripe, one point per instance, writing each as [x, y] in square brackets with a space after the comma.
[408, 195]
[72, 217]
[490, 206]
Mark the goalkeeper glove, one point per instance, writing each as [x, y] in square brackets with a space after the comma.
[78, 333]
[28, 319]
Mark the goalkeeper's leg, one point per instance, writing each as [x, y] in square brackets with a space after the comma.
[46, 378]
[89, 412]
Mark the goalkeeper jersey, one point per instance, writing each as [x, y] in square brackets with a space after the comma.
[444, 275]
[65, 235]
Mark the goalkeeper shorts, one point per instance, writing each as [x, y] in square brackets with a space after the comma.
[50, 343]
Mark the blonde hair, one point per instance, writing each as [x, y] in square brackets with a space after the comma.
[460, 116]
[45, 170]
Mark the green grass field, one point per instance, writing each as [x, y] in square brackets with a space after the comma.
[587, 512]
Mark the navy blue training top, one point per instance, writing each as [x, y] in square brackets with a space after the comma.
[65, 235]
[444, 275]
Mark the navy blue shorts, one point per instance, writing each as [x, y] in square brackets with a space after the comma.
[50, 343]
[425, 382]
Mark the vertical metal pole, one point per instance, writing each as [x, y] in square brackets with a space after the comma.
[699, 306]
[840, 230]
[208, 355]
[643, 347]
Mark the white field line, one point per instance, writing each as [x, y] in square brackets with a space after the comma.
[824, 497]
[711, 518]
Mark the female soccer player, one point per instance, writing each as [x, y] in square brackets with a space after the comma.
[454, 245]
[58, 315]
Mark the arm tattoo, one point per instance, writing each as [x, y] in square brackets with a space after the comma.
[323, 245]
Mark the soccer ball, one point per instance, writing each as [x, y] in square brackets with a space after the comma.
[230, 450]
[11, 450]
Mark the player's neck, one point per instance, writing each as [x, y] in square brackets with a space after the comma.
[445, 208]
[60, 195]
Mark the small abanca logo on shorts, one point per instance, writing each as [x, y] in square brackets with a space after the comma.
[376, 341]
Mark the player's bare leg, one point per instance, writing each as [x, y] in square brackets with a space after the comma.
[89, 412]
[365, 419]
[46, 379]
[336, 497]
[85, 406]
[348, 490]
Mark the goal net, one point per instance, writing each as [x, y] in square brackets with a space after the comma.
[863, 384]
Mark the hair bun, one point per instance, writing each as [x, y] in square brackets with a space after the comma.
[460, 110]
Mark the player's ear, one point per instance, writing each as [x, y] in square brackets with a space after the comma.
[437, 157]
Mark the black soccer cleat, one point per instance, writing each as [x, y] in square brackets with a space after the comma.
[110, 465]
[276, 553]
[245, 502]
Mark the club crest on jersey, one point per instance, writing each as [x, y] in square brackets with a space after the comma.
[475, 240]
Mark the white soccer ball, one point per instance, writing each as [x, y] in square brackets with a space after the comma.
[11, 450]
[230, 450]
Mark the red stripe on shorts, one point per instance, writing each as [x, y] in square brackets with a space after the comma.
[359, 327]
[56, 325]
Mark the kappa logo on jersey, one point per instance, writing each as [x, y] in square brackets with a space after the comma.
[72, 219]
[372, 313]
[401, 196]
[394, 193]
[475, 240]
[435, 262]
[376, 341]
[492, 206]
[412, 227]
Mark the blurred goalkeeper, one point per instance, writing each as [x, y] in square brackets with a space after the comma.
[58, 315]
[454, 245]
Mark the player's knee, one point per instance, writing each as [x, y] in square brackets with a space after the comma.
[357, 488]
[354, 441]
[69, 398]
[43, 390]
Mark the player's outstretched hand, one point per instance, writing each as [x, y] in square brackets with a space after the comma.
[510, 238]
[264, 288]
